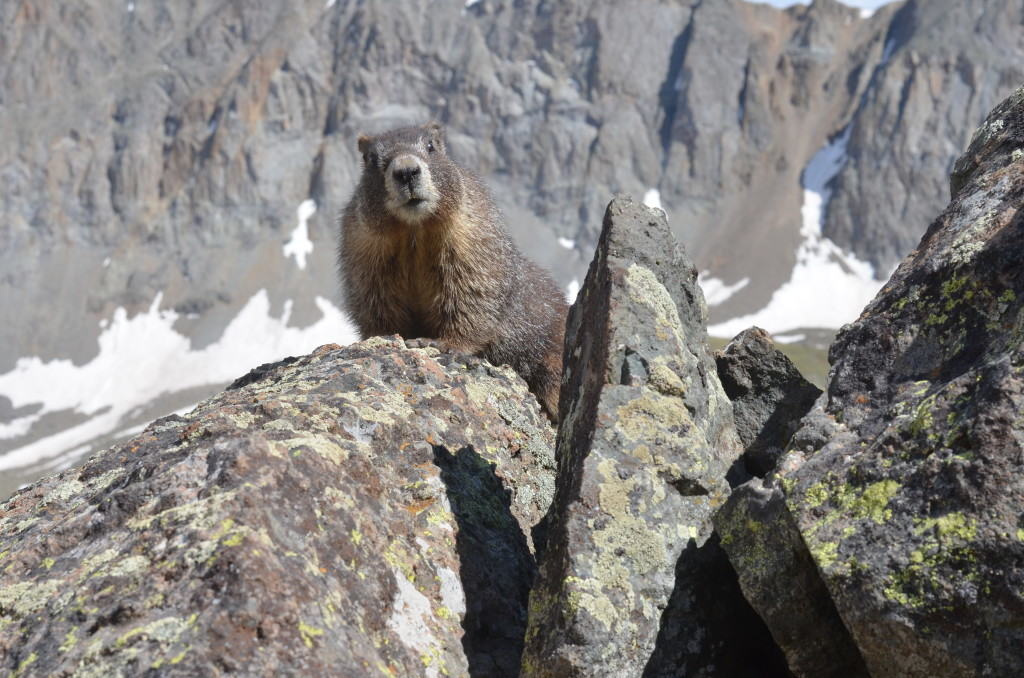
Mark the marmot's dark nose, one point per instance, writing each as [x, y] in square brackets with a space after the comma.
[406, 175]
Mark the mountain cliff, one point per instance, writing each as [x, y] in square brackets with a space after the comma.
[172, 172]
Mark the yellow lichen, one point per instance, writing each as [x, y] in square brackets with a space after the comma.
[825, 553]
[70, 640]
[309, 633]
[950, 527]
[873, 502]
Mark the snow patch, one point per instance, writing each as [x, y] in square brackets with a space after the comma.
[567, 243]
[828, 287]
[143, 357]
[330, 3]
[789, 338]
[572, 290]
[299, 244]
[652, 198]
[890, 47]
[716, 292]
[17, 427]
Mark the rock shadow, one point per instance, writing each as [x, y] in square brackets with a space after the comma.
[496, 567]
[708, 623]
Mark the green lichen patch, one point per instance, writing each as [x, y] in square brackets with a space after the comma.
[950, 528]
[27, 598]
[873, 503]
[25, 663]
[825, 553]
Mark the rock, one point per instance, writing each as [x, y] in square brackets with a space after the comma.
[709, 630]
[645, 442]
[357, 511]
[910, 498]
[769, 397]
[779, 578]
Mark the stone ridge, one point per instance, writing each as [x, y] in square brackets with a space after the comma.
[769, 398]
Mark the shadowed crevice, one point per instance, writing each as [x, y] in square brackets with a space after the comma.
[496, 567]
[707, 601]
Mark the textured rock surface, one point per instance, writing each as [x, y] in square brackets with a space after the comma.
[769, 397]
[348, 513]
[910, 498]
[644, 446]
[779, 578]
[902, 142]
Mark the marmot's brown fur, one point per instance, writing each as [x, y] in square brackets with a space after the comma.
[424, 254]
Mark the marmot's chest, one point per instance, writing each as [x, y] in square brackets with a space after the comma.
[430, 276]
[418, 266]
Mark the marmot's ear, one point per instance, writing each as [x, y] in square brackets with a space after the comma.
[436, 131]
[364, 143]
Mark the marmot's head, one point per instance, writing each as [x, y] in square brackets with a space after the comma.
[408, 169]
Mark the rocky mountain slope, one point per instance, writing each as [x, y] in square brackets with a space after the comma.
[171, 172]
[413, 513]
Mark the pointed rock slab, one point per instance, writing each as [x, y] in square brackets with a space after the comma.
[356, 512]
[911, 498]
[645, 442]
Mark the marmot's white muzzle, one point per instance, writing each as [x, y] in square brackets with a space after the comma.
[411, 193]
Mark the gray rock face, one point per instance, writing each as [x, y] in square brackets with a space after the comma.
[645, 442]
[910, 496]
[355, 511]
[902, 143]
[769, 397]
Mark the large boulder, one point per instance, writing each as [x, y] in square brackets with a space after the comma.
[646, 440]
[904, 483]
[358, 511]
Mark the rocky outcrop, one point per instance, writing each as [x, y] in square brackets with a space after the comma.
[769, 398]
[358, 511]
[644, 446]
[903, 485]
[902, 143]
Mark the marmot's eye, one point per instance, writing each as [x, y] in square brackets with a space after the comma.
[430, 147]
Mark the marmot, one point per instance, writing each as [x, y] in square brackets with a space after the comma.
[424, 254]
